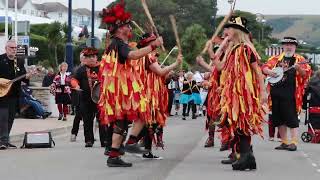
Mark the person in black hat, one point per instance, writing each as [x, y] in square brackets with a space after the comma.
[242, 91]
[288, 92]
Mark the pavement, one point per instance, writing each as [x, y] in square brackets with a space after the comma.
[184, 158]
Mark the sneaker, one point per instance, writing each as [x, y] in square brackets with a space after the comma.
[292, 147]
[271, 139]
[11, 146]
[117, 162]
[64, 119]
[282, 147]
[151, 156]
[3, 147]
[183, 118]
[73, 138]
[135, 148]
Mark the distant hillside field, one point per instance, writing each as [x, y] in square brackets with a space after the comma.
[304, 27]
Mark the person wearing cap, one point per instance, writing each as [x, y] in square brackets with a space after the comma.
[242, 91]
[157, 96]
[122, 99]
[287, 95]
[83, 80]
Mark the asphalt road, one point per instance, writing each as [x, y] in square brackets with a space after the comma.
[184, 158]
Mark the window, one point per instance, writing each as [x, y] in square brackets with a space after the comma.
[32, 12]
[60, 15]
[24, 11]
[82, 18]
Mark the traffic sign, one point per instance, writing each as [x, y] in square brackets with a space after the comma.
[23, 40]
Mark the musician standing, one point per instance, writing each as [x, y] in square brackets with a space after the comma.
[83, 80]
[9, 69]
[286, 96]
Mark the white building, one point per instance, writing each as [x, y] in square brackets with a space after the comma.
[23, 6]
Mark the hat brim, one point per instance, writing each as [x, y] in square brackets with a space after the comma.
[286, 42]
[236, 26]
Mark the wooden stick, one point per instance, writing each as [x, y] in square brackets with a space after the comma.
[219, 28]
[137, 26]
[146, 10]
[175, 30]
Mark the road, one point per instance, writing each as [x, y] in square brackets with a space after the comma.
[184, 158]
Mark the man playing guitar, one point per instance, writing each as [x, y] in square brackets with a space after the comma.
[9, 69]
[286, 95]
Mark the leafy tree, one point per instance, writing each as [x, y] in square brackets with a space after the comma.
[187, 12]
[54, 37]
[192, 42]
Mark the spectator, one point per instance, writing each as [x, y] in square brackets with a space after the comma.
[48, 78]
[26, 98]
[61, 89]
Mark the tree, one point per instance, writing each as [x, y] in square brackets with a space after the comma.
[54, 37]
[187, 12]
[192, 42]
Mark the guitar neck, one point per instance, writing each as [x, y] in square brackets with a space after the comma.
[18, 78]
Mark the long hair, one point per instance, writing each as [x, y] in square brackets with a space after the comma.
[241, 37]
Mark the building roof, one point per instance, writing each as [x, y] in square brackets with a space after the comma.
[83, 11]
[20, 3]
[51, 7]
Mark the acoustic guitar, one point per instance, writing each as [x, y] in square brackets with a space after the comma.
[6, 84]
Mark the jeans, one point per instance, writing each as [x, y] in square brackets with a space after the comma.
[37, 107]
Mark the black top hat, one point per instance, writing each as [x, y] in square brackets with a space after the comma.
[237, 22]
[289, 40]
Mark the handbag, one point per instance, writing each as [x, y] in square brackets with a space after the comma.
[38, 140]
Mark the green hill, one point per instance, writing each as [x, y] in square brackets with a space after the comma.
[304, 27]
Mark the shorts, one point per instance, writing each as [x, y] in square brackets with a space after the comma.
[284, 112]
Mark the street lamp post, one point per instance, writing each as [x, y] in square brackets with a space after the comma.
[69, 48]
[260, 18]
[92, 25]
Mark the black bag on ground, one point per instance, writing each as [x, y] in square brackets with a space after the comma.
[38, 140]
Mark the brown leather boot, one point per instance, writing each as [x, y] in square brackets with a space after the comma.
[209, 142]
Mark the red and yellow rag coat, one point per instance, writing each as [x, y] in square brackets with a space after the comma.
[301, 81]
[240, 102]
[121, 89]
[156, 94]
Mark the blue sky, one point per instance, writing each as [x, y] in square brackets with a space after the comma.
[254, 6]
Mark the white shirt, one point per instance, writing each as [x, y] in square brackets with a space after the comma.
[63, 78]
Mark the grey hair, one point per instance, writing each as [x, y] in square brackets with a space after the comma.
[64, 63]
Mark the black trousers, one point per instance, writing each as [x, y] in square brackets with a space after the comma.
[88, 113]
[76, 121]
[7, 114]
[186, 108]
[170, 100]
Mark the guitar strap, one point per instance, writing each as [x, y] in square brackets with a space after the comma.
[15, 64]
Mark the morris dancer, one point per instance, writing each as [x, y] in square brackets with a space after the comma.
[242, 91]
[289, 92]
[157, 95]
[121, 99]
[84, 79]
